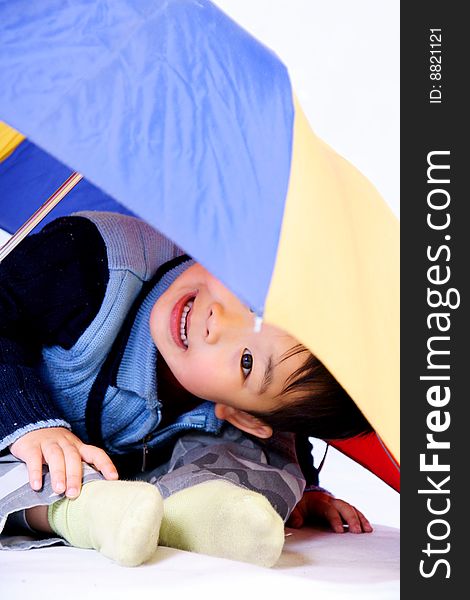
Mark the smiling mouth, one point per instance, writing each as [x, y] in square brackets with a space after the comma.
[184, 322]
[180, 320]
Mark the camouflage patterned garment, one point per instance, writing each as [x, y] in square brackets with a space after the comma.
[265, 466]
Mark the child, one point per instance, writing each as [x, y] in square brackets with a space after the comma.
[84, 306]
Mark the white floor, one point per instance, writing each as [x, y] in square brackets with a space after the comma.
[313, 564]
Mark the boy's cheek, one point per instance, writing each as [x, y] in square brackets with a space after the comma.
[200, 384]
[190, 378]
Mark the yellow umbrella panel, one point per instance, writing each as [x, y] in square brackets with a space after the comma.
[335, 285]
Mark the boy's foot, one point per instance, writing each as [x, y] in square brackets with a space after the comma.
[222, 519]
[121, 519]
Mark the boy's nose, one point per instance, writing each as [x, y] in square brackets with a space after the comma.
[215, 323]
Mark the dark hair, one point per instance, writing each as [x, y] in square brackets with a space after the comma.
[321, 408]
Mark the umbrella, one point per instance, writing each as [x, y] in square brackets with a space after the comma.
[174, 113]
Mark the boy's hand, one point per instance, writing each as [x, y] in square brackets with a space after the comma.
[316, 506]
[63, 452]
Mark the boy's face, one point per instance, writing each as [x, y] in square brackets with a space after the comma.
[206, 336]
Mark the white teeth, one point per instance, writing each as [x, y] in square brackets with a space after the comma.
[186, 310]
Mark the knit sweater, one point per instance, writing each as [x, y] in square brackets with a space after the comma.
[110, 359]
[49, 293]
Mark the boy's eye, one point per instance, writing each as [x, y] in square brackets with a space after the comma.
[246, 362]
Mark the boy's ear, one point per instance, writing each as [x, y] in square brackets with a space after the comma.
[243, 420]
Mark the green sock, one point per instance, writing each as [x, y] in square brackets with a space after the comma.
[121, 519]
[222, 519]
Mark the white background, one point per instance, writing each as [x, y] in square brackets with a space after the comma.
[343, 59]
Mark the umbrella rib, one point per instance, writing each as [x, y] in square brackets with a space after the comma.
[40, 214]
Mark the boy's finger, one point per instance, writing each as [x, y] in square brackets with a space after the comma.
[366, 526]
[54, 457]
[334, 519]
[349, 514]
[73, 470]
[99, 458]
[295, 519]
[34, 464]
